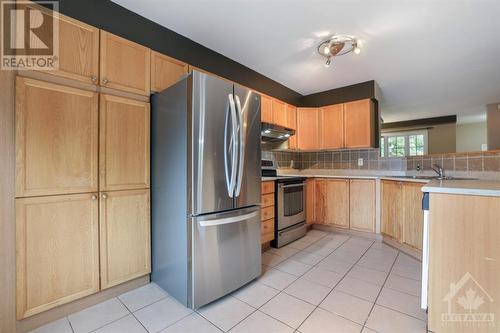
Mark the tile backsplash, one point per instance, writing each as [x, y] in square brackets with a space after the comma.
[348, 159]
[488, 161]
[339, 159]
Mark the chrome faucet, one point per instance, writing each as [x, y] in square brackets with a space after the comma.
[439, 170]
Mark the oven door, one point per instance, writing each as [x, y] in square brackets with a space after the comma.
[291, 204]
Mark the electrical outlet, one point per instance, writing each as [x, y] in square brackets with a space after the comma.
[360, 162]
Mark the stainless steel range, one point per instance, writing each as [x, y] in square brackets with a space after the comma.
[290, 214]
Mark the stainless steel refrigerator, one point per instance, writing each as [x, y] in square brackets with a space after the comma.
[205, 169]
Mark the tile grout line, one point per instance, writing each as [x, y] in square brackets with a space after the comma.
[378, 295]
[257, 309]
[132, 313]
[296, 278]
[354, 264]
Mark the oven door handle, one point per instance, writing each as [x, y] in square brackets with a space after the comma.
[292, 185]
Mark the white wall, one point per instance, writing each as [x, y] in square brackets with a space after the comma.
[471, 136]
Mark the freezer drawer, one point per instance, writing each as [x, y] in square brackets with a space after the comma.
[226, 253]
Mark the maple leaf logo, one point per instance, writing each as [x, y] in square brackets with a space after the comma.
[470, 301]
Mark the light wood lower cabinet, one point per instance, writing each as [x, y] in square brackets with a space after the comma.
[362, 204]
[464, 269]
[310, 201]
[124, 143]
[332, 202]
[124, 236]
[57, 251]
[267, 231]
[413, 215]
[267, 211]
[391, 210]
[56, 139]
[342, 203]
[401, 212]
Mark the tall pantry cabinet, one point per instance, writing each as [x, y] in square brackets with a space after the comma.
[82, 174]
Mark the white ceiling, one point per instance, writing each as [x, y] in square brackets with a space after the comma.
[429, 57]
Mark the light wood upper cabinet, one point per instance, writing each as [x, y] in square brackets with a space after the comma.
[413, 216]
[391, 210]
[57, 251]
[124, 65]
[266, 109]
[165, 71]
[332, 202]
[331, 126]
[124, 236]
[362, 204]
[56, 139]
[359, 124]
[279, 113]
[307, 128]
[291, 122]
[78, 47]
[124, 144]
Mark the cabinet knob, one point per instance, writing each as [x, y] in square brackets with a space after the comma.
[94, 197]
[104, 196]
[93, 78]
[104, 81]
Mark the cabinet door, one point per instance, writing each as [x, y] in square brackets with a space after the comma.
[362, 204]
[391, 208]
[125, 65]
[413, 217]
[56, 139]
[332, 127]
[57, 251]
[266, 109]
[165, 71]
[310, 201]
[291, 122]
[124, 144]
[307, 128]
[359, 124]
[279, 113]
[125, 239]
[78, 56]
[332, 202]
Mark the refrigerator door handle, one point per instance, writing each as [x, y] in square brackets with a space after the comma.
[230, 178]
[227, 220]
[242, 134]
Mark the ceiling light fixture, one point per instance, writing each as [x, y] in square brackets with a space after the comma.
[336, 46]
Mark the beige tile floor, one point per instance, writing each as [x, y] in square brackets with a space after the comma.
[323, 282]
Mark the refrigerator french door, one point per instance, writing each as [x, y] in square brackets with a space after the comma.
[205, 135]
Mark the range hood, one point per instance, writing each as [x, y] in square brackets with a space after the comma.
[275, 133]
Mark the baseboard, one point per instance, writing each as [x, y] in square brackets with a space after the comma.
[412, 252]
[350, 232]
[43, 318]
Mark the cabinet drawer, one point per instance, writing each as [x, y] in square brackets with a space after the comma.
[267, 230]
[267, 200]
[267, 187]
[267, 213]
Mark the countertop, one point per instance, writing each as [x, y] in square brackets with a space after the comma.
[402, 179]
[465, 187]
